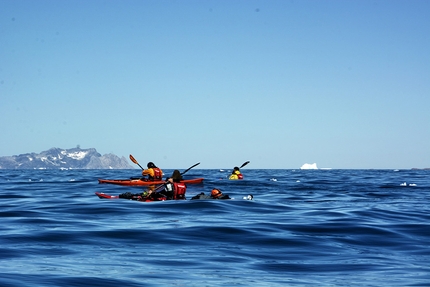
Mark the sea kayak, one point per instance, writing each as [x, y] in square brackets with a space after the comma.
[139, 182]
[103, 195]
[201, 196]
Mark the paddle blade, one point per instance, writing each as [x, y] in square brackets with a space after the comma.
[189, 168]
[133, 159]
[245, 163]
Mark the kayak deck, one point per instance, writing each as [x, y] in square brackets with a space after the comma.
[139, 182]
[107, 196]
[103, 195]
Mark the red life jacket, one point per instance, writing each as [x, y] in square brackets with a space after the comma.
[179, 190]
[158, 174]
[240, 176]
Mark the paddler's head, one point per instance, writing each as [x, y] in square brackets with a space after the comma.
[215, 193]
[176, 176]
[236, 170]
[151, 165]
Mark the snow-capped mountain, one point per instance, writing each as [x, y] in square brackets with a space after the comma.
[57, 158]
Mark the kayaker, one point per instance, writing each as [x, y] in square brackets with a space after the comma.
[153, 173]
[236, 174]
[215, 194]
[173, 188]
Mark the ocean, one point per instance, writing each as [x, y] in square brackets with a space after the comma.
[303, 228]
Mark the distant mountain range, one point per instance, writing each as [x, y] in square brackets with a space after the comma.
[57, 158]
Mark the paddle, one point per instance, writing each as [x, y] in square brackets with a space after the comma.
[245, 163]
[182, 173]
[135, 161]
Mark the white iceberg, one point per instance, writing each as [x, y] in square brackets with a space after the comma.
[309, 166]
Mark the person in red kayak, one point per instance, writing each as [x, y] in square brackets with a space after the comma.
[173, 188]
[153, 173]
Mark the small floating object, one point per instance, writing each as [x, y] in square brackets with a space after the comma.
[221, 170]
[403, 184]
[249, 197]
[273, 179]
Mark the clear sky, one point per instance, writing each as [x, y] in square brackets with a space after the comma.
[344, 84]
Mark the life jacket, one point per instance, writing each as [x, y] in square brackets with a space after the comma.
[236, 175]
[179, 190]
[158, 174]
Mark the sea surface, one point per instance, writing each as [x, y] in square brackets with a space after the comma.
[303, 228]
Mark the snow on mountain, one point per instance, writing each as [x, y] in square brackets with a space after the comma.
[75, 155]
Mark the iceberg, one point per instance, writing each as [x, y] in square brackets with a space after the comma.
[309, 166]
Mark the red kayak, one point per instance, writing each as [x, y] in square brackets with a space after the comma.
[107, 196]
[102, 195]
[139, 182]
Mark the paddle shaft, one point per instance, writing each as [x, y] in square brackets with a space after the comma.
[182, 173]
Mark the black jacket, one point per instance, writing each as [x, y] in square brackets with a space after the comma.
[203, 196]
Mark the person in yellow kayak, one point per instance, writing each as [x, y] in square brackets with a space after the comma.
[236, 174]
[153, 173]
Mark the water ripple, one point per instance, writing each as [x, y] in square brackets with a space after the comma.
[304, 228]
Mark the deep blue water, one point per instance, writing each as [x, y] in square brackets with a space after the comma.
[303, 228]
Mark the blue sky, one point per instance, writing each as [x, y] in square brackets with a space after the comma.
[344, 84]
